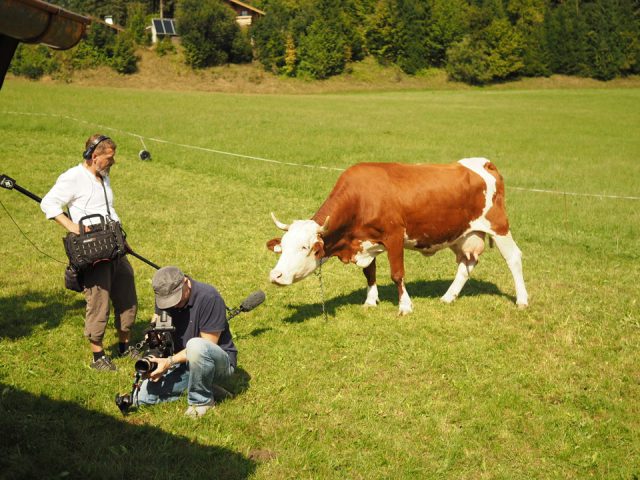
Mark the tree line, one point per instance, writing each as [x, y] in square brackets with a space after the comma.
[475, 41]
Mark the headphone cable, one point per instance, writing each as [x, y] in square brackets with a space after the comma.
[28, 239]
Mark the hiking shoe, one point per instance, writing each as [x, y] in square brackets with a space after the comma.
[131, 352]
[103, 364]
[195, 411]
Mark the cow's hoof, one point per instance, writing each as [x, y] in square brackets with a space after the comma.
[404, 311]
[370, 305]
[522, 306]
[447, 299]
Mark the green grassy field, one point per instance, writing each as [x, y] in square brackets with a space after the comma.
[477, 389]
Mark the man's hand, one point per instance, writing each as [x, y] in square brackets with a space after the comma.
[163, 366]
[66, 222]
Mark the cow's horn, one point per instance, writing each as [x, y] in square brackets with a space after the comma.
[324, 228]
[279, 224]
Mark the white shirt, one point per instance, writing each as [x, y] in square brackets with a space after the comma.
[80, 191]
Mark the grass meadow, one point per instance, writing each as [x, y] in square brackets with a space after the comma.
[473, 390]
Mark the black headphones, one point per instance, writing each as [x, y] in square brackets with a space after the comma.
[91, 148]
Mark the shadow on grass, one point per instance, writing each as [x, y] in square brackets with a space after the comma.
[20, 314]
[236, 384]
[46, 438]
[256, 332]
[419, 289]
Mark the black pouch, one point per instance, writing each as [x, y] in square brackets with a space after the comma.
[73, 279]
[105, 242]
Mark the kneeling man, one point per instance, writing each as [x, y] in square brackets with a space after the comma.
[202, 341]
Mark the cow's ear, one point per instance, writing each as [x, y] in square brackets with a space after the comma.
[274, 245]
[318, 249]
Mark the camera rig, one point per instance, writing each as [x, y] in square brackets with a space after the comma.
[158, 343]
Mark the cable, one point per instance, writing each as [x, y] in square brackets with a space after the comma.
[28, 239]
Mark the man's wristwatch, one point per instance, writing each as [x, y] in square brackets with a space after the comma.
[171, 362]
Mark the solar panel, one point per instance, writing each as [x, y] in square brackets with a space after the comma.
[164, 26]
[169, 26]
[158, 26]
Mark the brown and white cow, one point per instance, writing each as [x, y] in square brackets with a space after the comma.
[377, 207]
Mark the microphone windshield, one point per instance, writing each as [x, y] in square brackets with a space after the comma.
[252, 301]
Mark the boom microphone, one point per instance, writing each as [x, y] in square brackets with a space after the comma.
[10, 184]
[252, 301]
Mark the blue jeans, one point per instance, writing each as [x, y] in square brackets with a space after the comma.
[206, 362]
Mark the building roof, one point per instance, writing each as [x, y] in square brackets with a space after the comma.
[34, 21]
[247, 6]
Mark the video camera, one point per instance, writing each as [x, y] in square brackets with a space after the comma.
[158, 343]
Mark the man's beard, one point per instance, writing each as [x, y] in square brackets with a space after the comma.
[105, 172]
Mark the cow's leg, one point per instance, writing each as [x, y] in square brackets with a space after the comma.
[372, 288]
[513, 257]
[465, 267]
[395, 252]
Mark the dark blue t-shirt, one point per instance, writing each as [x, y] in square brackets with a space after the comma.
[205, 312]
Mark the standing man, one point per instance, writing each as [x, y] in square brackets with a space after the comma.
[202, 340]
[85, 190]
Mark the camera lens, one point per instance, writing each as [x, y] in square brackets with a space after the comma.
[145, 365]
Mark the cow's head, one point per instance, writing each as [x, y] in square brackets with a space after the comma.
[302, 250]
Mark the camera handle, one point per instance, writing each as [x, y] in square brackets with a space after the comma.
[128, 401]
[135, 388]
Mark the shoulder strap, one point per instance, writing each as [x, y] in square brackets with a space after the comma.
[104, 189]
